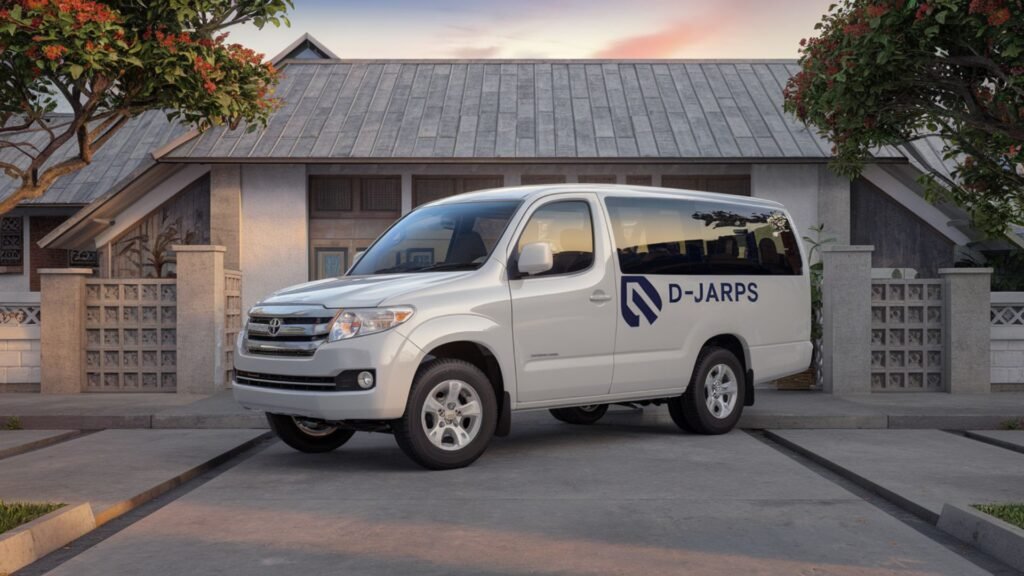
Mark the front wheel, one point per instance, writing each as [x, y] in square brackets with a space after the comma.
[713, 402]
[311, 436]
[450, 416]
[580, 414]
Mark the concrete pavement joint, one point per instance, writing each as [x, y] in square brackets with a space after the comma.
[43, 443]
[209, 470]
[873, 495]
[994, 442]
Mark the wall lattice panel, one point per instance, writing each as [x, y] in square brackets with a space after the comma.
[233, 318]
[131, 335]
[906, 336]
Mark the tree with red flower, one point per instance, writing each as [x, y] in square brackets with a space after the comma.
[110, 60]
[884, 72]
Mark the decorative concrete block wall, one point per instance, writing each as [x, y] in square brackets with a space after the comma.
[19, 341]
[1007, 344]
[906, 335]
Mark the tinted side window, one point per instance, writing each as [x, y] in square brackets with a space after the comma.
[567, 227]
[667, 236]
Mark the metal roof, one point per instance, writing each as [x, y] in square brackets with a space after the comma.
[391, 110]
[125, 155]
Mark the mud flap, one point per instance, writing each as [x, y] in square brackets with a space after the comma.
[504, 416]
[748, 389]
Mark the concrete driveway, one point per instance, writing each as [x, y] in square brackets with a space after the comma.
[615, 498]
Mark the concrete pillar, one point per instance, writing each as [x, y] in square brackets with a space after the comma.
[834, 205]
[846, 319]
[62, 329]
[966, 303]
[226, 211]
[406, 192]
[201, 304]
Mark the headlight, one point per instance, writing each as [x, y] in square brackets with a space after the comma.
[360, 322]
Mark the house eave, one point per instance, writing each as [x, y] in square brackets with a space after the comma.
[452, 160]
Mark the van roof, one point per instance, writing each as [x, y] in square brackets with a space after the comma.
[542, 190]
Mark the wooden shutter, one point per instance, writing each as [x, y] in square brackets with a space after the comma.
[639, 179]
[330, 196]
[383, 195]
[532, 179]
[598, 179]
[736, 185]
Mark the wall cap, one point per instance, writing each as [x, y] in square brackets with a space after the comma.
[1007, 297]
[81, 271]
[963, 271]
[845, 248]
[192, 248]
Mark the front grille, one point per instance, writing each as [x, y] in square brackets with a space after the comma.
[287, 330]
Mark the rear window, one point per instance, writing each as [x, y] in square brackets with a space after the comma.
[678, 236]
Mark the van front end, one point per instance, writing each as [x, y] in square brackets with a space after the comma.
[286, 363]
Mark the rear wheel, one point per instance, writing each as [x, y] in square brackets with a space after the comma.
[580, 414]
[713, 402]
[305, 435]
[450, 416]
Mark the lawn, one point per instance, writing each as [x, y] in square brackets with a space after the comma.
[14, 514]
[1012, 513]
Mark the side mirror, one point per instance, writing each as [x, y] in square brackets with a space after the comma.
[535, 258]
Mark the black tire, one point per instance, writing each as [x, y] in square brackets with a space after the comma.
[690, 411]
[409, 429]
[580, 414]
[291, 434]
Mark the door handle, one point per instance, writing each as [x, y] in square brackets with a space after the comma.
[600, 296]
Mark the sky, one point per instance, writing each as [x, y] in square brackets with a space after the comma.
[546, 28]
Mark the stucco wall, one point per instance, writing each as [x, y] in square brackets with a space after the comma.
[274, 253]
[794, 185]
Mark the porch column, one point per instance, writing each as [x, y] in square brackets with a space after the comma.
[226, 211]
[833, 205]
[846, 319]
[966, 303]
[62, 329]
[200, 320]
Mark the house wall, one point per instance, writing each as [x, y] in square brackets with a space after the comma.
[273, 238]
[901, 238]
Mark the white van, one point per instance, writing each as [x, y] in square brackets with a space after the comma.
[564, 297]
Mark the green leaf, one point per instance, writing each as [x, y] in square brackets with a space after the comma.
[76, 71]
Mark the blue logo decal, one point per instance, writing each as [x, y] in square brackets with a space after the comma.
[634, 288]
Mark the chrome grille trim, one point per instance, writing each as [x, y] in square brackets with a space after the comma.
[299, 332]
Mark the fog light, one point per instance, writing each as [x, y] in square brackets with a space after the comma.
[365, 380]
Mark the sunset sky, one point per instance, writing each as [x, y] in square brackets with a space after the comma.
[547, 28]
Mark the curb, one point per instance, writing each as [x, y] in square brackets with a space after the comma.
[41, 443]
[889, 495]
[995, 442]
[134, 502]
[988, 533]
[30, 542]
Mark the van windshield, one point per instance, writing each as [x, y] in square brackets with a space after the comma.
[445, 237]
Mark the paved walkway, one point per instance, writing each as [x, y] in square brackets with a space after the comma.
[923, 469]
[550, 499]
[113, 469]
[774, 410]
[13, 442]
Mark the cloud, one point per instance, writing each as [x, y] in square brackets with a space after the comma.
[666, 43]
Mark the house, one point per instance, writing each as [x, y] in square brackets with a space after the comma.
[358, 143]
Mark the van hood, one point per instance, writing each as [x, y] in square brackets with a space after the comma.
[358, 291]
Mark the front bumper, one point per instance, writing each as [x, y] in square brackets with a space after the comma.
[394, 358]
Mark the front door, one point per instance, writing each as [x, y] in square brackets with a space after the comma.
[564, 319]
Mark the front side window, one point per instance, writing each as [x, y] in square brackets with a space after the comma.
[447, 237]
[670, 236]
[567, 227]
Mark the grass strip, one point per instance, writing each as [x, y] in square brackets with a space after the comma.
[1011, 513]
[14, 514]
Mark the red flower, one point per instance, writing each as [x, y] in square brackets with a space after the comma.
[858, 29]
[210, 86]
[922, 11]
[877, 10]
[54, 51]
[996, 10]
